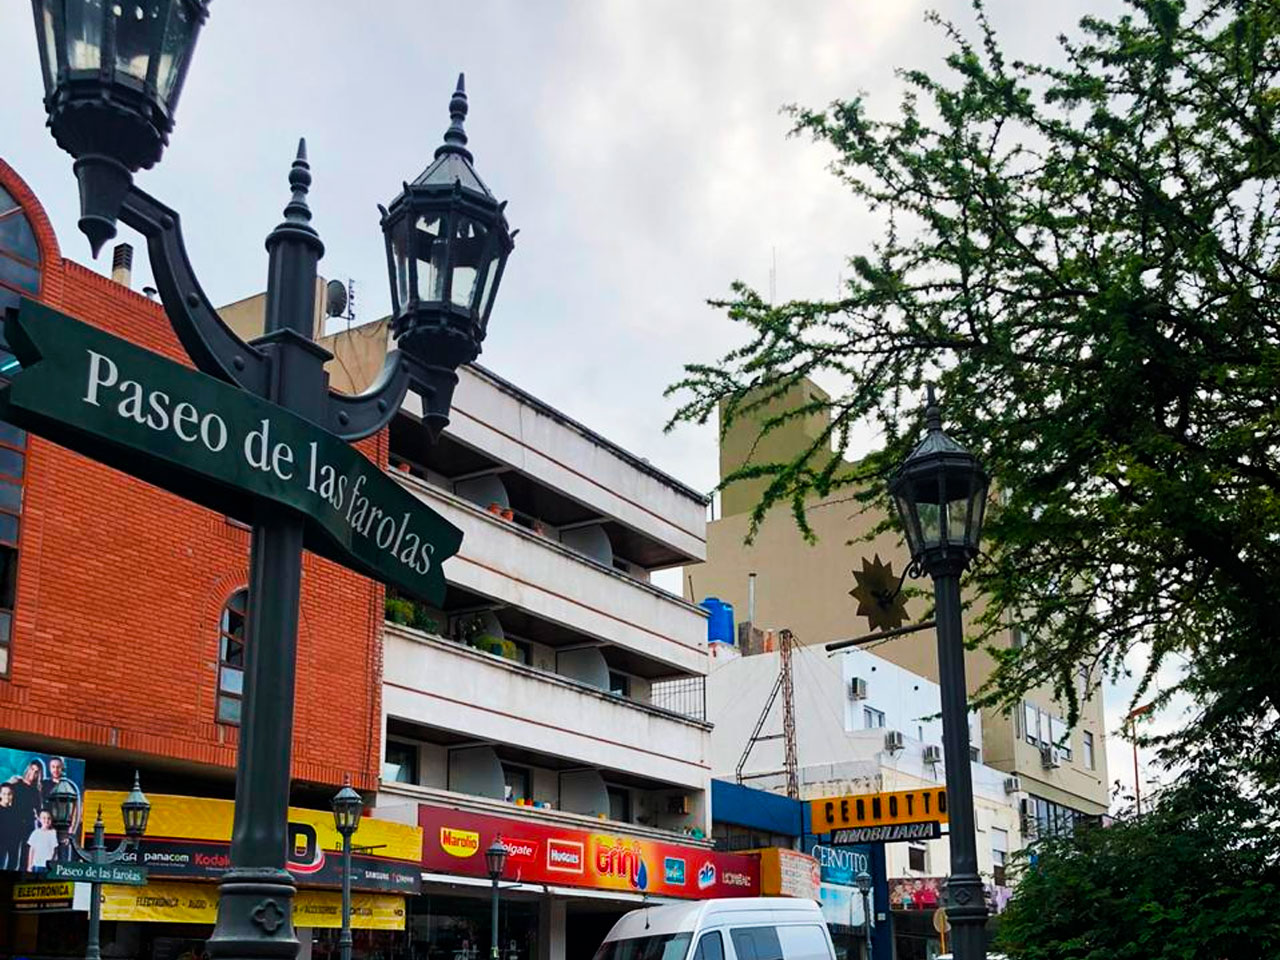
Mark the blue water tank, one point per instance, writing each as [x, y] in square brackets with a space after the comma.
[719, 620]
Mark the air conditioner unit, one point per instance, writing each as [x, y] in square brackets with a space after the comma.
[893, 741]
[1050, 758]
[857, 689]
[932, 754]
[1012, 785]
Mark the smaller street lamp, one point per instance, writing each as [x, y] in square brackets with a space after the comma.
[940, 494]
[347, 808]
[135, 811]
[863, 881]
[495, 858]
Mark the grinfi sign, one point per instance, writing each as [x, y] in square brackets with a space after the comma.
[540, 852]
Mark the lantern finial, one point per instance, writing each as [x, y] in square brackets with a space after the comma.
[932, 412]
[455, 138]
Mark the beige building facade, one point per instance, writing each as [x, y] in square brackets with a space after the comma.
[805, 587]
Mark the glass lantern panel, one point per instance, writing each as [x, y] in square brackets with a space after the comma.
[490, 279]
[469, 257]
[173, 50]
[957, 517]
[978, 506]
[931, 521]
[908, 518]
[134, 23]
[50, 45]
[84, 34]
[400, 262]
[431, 254]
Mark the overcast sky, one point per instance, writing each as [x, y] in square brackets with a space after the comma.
[639, 143]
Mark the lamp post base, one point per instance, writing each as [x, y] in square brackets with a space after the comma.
[255, 916]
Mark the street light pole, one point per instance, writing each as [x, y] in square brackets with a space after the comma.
[940, 494]
[863, 880]
[495, 859]
[347, 808]
[135, 810]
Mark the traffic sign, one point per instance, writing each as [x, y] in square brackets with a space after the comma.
[220, 446]
[124, 874]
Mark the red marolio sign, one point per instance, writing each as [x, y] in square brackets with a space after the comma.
[544, 853]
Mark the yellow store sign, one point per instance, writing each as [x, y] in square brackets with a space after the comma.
[879, 809]
[176, 902]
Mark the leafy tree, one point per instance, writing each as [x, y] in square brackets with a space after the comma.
[1196, 878]
[1085, 257]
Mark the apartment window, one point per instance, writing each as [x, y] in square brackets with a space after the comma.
[400, 762]
[1061, 736]
[1017, 638]
[999, 855]
[619, 684]
[13, 456]
[872, 718]
[1031, 723]
[517, 783]
[619, 804]
[917, 858]
[231, 658]
[1088, 750]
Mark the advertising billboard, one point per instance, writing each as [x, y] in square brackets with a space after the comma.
[28, 778]
[454, 841]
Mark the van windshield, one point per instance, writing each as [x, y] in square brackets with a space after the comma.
[665, 946]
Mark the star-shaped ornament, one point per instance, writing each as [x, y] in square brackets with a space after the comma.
[878, 596]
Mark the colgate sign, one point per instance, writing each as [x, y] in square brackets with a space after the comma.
[519, 851]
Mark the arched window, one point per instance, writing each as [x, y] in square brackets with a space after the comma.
[231, 657]
[19, 276]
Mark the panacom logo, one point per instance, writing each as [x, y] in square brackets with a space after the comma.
[459, 843]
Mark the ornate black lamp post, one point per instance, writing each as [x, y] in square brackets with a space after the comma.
[495, 858]
[347, 808]
[863, 881]
[940, 493]
[112, 74]
[135, 810]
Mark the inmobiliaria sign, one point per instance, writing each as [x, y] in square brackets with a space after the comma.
[454, 841]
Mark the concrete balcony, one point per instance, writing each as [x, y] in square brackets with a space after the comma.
[515, 566]
[479, 697]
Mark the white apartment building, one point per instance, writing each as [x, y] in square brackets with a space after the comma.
[863, 725]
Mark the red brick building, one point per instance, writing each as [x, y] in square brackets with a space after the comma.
[117, 643]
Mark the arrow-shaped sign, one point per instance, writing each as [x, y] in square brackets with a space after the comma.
[219, 446]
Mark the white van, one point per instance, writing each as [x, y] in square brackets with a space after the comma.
[746, 928]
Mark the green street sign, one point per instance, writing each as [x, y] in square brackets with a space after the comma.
[124, 874]
[217, 445]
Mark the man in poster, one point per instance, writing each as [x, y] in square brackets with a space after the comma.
[27, 838]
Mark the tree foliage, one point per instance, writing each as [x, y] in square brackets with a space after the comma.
[1196, 878]
[1085, 257]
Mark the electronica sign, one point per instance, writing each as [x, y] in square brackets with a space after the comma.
[879, 809]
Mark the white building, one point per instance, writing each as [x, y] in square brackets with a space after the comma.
[863, 725]
[556, 698]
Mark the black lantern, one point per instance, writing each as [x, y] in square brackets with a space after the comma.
[112, 72]
[447, 243]
[863, 881]
[347, 807]
[495, 858]
[940, 493]
[136, 810]
[62, 805]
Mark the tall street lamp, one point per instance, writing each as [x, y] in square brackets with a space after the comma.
[940, 493]
[863, 880]
[495, 858]
[347, 808]
[112, 74]
[135, 811]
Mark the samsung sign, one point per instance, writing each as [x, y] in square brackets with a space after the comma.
[840, 864]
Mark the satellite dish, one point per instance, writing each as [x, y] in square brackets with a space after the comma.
[335, 299]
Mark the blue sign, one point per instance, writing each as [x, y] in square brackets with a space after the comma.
[27, 779]
[840, 865]
[673, 871]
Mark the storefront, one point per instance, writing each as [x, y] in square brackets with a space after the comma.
[563, 887]
[186, 848]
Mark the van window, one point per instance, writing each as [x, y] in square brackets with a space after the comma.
[667, 946]
[710, 947]
[804, 943]
[756, 943]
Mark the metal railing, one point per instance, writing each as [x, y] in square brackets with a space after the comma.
[686, 696]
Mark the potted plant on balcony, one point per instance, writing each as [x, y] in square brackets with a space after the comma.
[398, 610]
